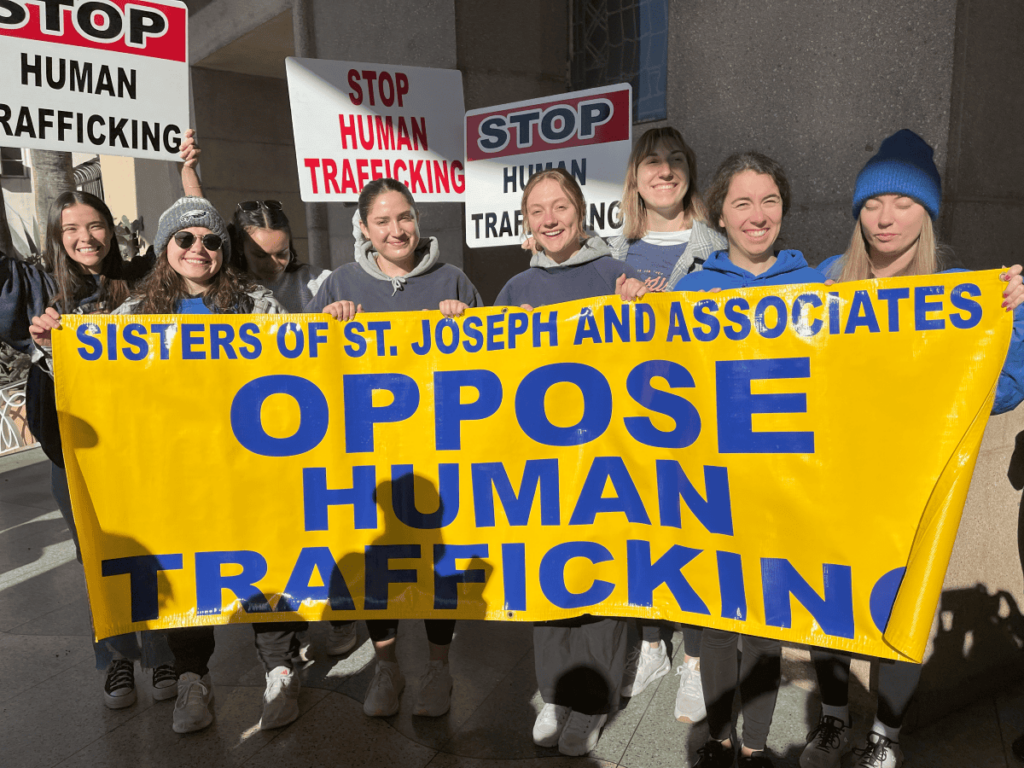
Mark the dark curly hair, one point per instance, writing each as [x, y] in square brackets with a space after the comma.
[163, 288]
[734, 165]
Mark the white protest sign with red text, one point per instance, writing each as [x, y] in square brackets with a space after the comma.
[357, 122]
[588, 133]
[99, 76]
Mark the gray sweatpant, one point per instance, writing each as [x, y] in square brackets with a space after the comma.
[580, 662]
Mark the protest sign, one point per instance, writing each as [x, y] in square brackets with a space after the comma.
[105, 76]
[357, 122]
[586, 132]
[776, 461]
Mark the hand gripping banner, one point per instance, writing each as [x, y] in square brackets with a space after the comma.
[788, 462]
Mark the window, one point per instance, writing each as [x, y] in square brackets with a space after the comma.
[12, 163]
[622, 41]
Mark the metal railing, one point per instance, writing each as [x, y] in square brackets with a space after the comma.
[14, 434]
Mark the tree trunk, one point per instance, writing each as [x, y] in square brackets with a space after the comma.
[6, 242]
[51, 175]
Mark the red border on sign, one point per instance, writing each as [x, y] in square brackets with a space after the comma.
[616, 129]
[171, 45]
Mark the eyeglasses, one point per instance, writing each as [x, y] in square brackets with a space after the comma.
[185, 239]
[255, 205]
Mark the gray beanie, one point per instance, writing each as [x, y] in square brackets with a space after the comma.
[191, 212]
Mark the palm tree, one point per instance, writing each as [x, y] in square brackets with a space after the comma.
[6, 242]
[52, 175]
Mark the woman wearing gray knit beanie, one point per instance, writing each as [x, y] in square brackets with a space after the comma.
[896, 201]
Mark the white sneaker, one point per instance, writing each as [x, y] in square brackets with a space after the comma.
[192, 709]
[581, 733]
[385, 691]
[341, 640]
[305, 647]
[281, 699]
[690, 696]
[550, 723]
[879, 752]
[435, 695]
[826, 744]
[645, 665]
[119, 687]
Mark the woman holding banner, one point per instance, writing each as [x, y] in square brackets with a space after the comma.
[191, 277]
[88, 276]
[398, 270]
[895, 202]
[579, 662]
[665, 236]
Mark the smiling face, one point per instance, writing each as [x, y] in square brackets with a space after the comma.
[391, 227]
[196, 264]
[751, 217]
[554, 220]
[891, 225]
[86, 236]
[267, 253]
[662, 179]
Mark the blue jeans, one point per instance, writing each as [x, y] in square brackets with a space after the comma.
[153, 651]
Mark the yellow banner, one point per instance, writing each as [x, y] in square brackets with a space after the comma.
[789, 462]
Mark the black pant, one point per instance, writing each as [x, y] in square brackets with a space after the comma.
[439, 631]
[277, 643]
[192, 648]
[758, 676]
[651, 632]
[897, 681]
[580, 662]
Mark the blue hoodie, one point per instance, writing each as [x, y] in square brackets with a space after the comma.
[1010, 390]
[790, 268]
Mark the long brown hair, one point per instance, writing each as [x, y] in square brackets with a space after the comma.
[73, 283]
[261, 217]
[163, 288]
[633, 207]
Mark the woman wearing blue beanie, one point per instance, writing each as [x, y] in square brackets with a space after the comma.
[895, 203]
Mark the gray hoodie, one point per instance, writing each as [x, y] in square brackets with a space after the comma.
[589, 272]
[428, 283]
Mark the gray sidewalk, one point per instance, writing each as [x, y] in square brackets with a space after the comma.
[53, 715]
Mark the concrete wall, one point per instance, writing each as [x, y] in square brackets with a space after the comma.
[816, 86]
[411, 32]
[984, 180]
[245, 130]
[508, 52]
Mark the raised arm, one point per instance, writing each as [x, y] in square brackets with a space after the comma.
[190, 158]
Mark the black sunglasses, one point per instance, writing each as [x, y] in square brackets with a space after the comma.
[185, 240]
[255, 205]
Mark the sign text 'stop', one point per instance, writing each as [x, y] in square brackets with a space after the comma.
[560, 124]
[156, 28]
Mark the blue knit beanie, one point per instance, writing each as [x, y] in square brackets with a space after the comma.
[903, 166]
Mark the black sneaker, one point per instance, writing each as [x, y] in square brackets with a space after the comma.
[714, 755]
[119, 690]
[755, 760]
[165, 682]
[1018, 748]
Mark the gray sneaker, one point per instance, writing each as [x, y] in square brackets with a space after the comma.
[690, 696]
[192, 709]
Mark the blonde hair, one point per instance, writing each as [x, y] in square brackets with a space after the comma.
[568, 185]
[855, 263]
[634, 210]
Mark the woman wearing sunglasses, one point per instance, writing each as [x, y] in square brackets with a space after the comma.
[191, 276]
[261, 244]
